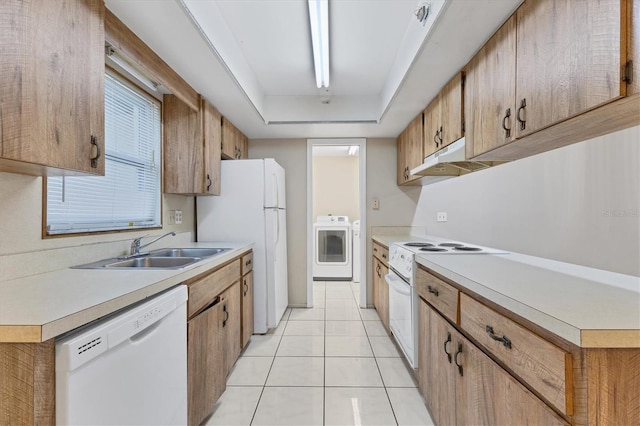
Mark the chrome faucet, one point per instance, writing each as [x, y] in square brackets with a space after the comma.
[135, 244]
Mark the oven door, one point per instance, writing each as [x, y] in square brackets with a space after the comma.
[401, 313]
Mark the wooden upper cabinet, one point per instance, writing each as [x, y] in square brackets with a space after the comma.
[235, 144]
[183, 149]
[633, 45]
[211, 138]
[451, 111]
[432, 126]
[191, 148]
[443, 117]
[52, 87]
[489, 93]
[410, 150]
[569, 60]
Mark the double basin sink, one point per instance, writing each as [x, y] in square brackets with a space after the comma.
[171, 258]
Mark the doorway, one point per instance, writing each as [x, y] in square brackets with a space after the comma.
[336, 192]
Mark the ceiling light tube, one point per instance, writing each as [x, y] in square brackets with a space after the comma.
[319, 20]
[130, 69]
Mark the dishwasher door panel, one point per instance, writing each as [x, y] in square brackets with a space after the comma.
[139, 373]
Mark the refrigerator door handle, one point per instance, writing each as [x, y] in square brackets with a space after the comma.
[277, 212]
[277, 192]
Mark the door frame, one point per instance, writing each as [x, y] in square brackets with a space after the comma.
[362, 157]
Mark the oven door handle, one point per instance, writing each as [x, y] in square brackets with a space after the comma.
[398, 285]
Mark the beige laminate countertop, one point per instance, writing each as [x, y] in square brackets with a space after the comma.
[588, 307]
[40, 307]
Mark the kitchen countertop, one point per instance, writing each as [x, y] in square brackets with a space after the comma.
[39, 307]
[588, 307]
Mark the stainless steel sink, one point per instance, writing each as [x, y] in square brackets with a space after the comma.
[188, 252]
[170, 258]
[153, 262]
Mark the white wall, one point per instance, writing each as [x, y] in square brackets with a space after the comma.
[23, 251]
[578, 204]
[397, 205]
[336, 186]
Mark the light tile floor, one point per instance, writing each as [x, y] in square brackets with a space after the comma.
[333, 364]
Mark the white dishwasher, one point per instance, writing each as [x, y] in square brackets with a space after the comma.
[130, 368]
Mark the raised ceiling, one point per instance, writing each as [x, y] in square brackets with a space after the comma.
[253, 59]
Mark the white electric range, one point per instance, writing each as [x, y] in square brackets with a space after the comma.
[403, 298]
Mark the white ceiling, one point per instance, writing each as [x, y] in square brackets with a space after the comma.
[253, 59]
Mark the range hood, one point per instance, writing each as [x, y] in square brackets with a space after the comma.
[450, 161]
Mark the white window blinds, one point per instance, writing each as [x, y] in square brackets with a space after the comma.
[128, 195]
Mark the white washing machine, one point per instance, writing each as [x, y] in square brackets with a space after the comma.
[356, 251]
[332, 260]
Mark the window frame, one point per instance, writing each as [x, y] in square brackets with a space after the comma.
[145, 92]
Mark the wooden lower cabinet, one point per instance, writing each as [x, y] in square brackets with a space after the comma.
[463, 386]
[232, 308]
[247, 308]
[206, 374]
[381, 291]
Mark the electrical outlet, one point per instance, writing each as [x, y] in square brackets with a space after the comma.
[376, 204]
[441, 216]
[171, 220]
[179, 217]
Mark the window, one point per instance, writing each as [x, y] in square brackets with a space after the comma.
[128, 195]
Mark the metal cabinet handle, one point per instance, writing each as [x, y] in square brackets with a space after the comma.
[458, 364]
[445, 347]
[523, 105]
[504, 339]
[435, 138]
[384, 256]
[247, 263]
[440, 135]
[432, 290]
[507, 131]
[246, 287]
[378, 271]
[94, 158]
[226, 315]
[208, 182]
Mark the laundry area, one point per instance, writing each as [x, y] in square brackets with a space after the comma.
[336, 211]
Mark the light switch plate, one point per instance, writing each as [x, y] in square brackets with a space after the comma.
[178, 217]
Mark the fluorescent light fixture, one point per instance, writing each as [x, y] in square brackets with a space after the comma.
[132, 70]
[353, 150]
[319, 20]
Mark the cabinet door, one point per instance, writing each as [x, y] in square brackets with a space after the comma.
[488, 395]
[410, 150]
[436, 366]
[206, 374]
[232, 308]
[489, 93]
[568, 60]
[247, 308]
[212, 139]
[243, 146]
[384, 297]
[52, 86]
[183, 148]
[451, 114]
[377, 273]
[432, 126]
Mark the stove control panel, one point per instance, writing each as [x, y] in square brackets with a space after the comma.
[401, 260]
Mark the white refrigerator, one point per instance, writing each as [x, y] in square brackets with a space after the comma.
[252, 207]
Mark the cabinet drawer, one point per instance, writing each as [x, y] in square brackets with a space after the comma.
[202, 290]
[545, 367]
[439, 294]
[382, 253]
[247, 263]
